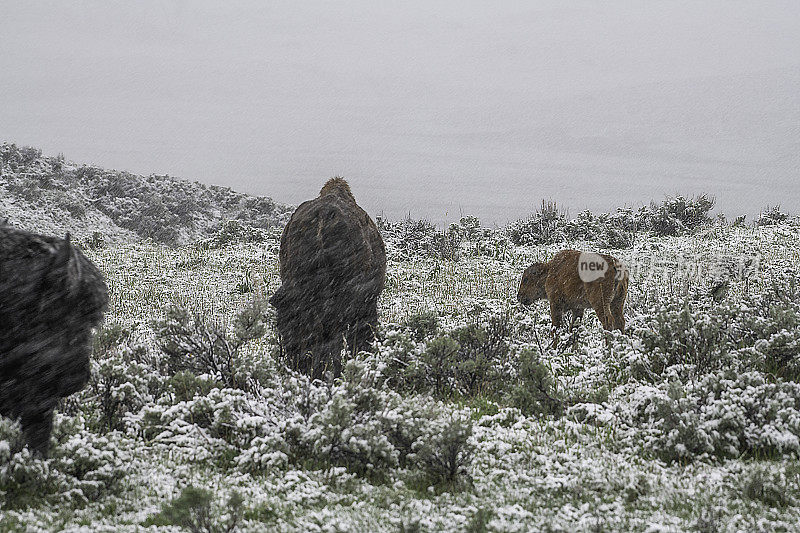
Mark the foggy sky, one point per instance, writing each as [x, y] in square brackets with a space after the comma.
[432, 108]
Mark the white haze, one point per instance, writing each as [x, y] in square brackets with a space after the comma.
[428, 108]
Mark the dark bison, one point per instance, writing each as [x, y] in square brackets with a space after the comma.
[575, 281]
[51, 296]
[332, 268]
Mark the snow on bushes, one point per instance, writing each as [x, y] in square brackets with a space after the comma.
[83, 466]
[723, 415]
[461, 416]
[360, 424]
[674, 216]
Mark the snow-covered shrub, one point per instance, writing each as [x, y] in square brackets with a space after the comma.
[360, 424]
[72, 205]
[548, 225]
[122, 382]
[26, 188]
[422, 325]
[470, 229]
[353, 425]
[401, 348]
[185, 385]
[758, 332]
[26, 479]
[467, 361]
[96, 241]
[209, 427]
[497, 245]
[445, 452]
[615, 230]
[258, 211]
[413, 237]
[482, 354]
[435, 368]
[682, 334]
[96, 462]
[678, 215]
[769, 486]
[232, 232]
[82, 467]
[674, 216]
[779, 353]
[534, 392]
[193, 510]
[191, 342]
[10, 155]
[771, 216]
[719, 416]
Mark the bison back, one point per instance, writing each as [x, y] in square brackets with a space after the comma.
[333, 242]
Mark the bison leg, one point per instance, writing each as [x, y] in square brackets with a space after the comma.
[36, 428]
[618, 313]
[603, 311]
[577, 316]
[618, 304]
[601, 303]
[556, 315]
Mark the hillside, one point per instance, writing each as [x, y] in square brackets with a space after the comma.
[53, 195]
[463, 416]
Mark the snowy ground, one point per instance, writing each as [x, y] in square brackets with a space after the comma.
[311, 457]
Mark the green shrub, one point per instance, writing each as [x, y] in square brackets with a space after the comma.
[422, 325]
[479, 522]
[678, 334]
[723, 415]
[436, 367]
[185, 385]
[445, 453]
[191, 343]
[548, 225]
[82, 467]
[768, 486]
[481, 354]
[193, 510]
[678, 215]
[401, 353]
[771, 216]
[466, 362]
[757, 332]
[534, 393]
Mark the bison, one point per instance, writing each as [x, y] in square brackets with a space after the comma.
[332, 268]
[576, 281]
[51, 297]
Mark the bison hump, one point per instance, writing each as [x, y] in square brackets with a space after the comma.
[330, 234]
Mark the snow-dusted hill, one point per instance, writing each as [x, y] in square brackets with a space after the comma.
[52, 195]
[463, 416]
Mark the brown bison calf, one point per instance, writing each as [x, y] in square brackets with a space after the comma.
[576, 281]
[332, 268]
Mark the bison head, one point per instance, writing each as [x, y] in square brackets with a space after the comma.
[531, 288]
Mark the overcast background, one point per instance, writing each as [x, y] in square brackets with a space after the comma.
[428, 108]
